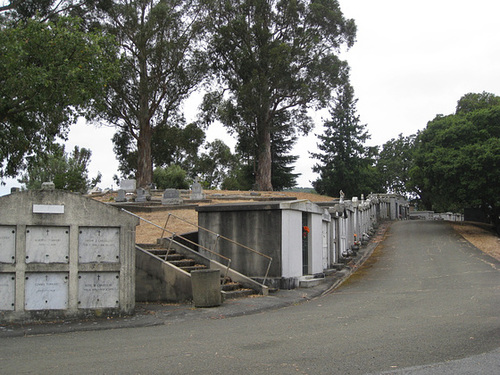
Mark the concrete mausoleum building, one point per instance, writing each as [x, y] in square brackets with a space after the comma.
[63, 255]
[287, 232]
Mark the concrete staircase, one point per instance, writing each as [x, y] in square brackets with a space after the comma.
[229, 288]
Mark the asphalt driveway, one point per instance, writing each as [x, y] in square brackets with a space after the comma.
[425, 300]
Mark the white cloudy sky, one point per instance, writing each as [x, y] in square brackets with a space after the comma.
[412, 60]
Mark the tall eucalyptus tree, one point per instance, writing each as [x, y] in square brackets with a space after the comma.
[276, 59]
[163, 59]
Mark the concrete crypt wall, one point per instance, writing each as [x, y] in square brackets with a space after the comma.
[64, 255]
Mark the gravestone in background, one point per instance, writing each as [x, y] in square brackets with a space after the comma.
[171, 197]
[121, 197]
[197, 191]
[128, 185]
[142, 195]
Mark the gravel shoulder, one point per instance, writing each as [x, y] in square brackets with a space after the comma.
[481, 236]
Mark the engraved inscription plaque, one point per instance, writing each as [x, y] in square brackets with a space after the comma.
[98, 290]
[46, 291]
[47, 244]
[7, 244]
[7, 291]
[99, 245]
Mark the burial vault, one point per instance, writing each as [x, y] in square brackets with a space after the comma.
[64, 255]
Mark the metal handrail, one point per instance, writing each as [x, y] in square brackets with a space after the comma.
[224, 238]
[185, 239]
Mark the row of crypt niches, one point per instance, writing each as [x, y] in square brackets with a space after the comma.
[62, 254]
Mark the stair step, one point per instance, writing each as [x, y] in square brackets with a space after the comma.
[309, 282]
[183, 263]
[194, 268]
[239, 293]
[231, 286]
[160, 252]
[174, 257]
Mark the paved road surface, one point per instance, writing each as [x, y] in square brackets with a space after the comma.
[424, 298]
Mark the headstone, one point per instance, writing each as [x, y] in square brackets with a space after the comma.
[95, 190]
[342, 195]
[142, 195]
[128, 185]
[48, 186]
[197, 191]
[170, 197]
[121, 196]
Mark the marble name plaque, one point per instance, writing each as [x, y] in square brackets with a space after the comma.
[48, 209]
[47, 244]
[99, 245]
[7, 291]
[46, 291]
[7, 244]
[98, 290]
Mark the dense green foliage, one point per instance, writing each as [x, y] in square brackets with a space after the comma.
[175, 144]
[162, 62]
[50, 73]
[171, 177]
[67, 172]
[457, 158]
[345, 163]
[214, 165]
[275, 59]
[394, 163]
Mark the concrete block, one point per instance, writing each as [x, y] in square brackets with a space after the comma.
[206, 288]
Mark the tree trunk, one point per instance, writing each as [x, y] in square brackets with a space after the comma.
[144, 163]
[144, 175]
[263, 178]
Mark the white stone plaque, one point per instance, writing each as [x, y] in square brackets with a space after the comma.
[48, 209]
[46, 291]
[128, 185]
[98, 290]
[99, 245]
[7, 244]
[47, 245]
[7, 291]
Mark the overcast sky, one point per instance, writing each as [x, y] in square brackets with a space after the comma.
[411, 61]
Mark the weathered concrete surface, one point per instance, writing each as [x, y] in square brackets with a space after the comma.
[69, 256]
[206, 288]
[424, 298]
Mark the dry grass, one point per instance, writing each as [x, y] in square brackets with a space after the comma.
[481, 237]
[179, 220]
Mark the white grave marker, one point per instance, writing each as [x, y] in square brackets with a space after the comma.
[7, 244]
[47, 244]
[7, 291]
[98, 290]
[99, 245]
[46, 291]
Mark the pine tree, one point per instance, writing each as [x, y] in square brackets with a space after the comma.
[344, 163]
